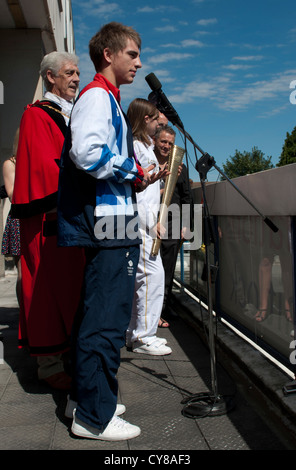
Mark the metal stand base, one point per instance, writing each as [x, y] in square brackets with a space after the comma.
[203, 405]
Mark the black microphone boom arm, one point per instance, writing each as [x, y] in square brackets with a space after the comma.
[159, 99]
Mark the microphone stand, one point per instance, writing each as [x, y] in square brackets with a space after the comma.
[211, 403]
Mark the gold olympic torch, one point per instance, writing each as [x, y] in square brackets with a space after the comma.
[175, 160]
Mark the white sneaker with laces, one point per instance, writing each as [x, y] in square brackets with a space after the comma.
[154, 348]
[129, 343]
[72, 405]
[117, 430]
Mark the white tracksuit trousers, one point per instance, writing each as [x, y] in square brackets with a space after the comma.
[148, 296]
[149, 284]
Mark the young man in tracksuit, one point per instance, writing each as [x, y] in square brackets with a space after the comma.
[98, 178]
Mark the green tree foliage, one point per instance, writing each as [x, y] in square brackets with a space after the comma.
[246, 163]
[288, 154]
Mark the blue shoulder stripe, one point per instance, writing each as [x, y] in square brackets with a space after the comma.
[105, 158]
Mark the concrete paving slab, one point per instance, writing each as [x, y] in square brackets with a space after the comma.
[152, 388]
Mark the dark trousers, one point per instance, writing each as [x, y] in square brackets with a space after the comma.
[169, 250]
[104, 317]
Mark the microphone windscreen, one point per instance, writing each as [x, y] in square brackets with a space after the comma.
[153, 97]
[153, 82]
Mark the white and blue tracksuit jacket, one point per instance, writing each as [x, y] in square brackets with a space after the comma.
[96, 199]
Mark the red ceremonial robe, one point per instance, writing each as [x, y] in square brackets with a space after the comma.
[51, 275]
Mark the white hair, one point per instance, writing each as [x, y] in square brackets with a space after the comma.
[54, 62]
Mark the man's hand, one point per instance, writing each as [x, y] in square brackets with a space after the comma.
[143, 183]
[151, 178]
[159, 230]
[185, 232]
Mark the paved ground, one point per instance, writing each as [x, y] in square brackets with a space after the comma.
[152, 388]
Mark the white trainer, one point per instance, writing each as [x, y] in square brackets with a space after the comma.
[129, 343]
[162, 340]
[72, 405]
[117, 430]
[155, 348]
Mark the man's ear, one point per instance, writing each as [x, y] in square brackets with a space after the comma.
[107, 55]
[50, 76]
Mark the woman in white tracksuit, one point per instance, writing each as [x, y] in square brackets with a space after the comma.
[149, 284]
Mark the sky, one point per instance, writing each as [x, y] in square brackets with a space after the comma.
[227, 67]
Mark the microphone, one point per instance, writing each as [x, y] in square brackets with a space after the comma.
[159, 99]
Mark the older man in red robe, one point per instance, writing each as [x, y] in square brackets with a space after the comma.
[51, 275]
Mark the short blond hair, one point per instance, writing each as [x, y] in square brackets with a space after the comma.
[114, 36]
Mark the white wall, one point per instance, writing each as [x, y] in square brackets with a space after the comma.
[49, 27]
